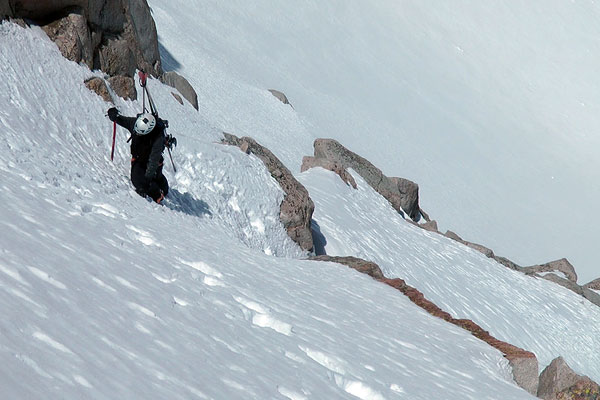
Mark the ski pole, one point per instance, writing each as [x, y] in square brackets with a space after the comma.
[171, 157]
[112, 152]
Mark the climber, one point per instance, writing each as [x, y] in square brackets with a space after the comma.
[148, 140]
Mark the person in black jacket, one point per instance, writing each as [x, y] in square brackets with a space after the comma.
[147, 146]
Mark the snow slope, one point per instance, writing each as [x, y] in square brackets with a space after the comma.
[491, 107]
[108, 296]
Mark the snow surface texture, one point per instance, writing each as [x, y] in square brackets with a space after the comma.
[492, 107]
[108, 296]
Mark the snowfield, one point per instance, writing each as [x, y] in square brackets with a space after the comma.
[106, 295]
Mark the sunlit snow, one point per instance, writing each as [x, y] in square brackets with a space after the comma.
[106, 295]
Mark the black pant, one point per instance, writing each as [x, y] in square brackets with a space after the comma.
[157, 188]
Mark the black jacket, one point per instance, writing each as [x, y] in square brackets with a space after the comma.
[146, 149]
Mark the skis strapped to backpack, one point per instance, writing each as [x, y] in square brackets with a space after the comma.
[170, 141]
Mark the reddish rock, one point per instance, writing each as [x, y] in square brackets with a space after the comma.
[366, 267]
[559, 382]
[524, 363]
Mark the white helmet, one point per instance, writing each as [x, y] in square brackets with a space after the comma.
[144, 124]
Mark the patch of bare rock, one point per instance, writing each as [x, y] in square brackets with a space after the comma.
[402, 193]
[117, 37]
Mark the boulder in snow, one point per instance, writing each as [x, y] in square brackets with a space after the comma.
[559, 381]
[281, 96]
[401, 193]
[563, 266]
[297, 208]
[178, 82]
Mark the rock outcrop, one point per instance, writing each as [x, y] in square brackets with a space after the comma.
[402, 194]
[297, 208]
[594, 285]
[281, 97]
[363, 266]
[524, 363]
[116, 36]
[563, 266]
[559, 382]
[178, 82]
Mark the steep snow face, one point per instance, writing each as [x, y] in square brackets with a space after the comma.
[490, 107]
[105, 295]
[534, 314]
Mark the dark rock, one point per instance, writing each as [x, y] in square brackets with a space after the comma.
[98, 86]
[309, 162]
[145, 37]
[366, 267]
[282, 97]
[5, 11]
[559, 381]
[401, 193]
[123, 86]
[297, 208]
[178, 82]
